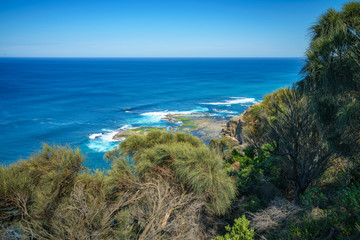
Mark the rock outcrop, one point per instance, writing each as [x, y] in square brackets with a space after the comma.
[135, 131]
[234, 128]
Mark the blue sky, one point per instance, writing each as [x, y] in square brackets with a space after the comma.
[158, 28]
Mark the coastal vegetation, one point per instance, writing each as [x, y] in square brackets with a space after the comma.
[292, 173]
[162, 185]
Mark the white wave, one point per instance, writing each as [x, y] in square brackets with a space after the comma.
[105, 136]
[103, 142]
[59, 123]
[95, 135]
[101, 146]
[235, 100]
[125, 127]
[108, 136]
[166, 112]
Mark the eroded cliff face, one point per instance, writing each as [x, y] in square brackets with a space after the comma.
[234, 128]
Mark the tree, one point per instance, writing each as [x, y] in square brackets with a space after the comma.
[298, 140]
[332, 79]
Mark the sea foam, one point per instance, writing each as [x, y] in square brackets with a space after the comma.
[103, 142]
[95, 135]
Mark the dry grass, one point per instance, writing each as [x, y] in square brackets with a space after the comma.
[273, 216]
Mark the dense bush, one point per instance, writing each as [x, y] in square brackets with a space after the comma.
[192, 162]
[349, 207]
[239, 231]
[50, 196]
[313, 197]
[314, 129]
[162, 185]
[337, 218]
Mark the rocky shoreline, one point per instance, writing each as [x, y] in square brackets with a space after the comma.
[234, 127]
[203, 125]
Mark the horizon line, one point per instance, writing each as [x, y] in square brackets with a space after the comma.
[146, 57]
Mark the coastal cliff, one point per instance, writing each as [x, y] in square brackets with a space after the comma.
[234, 127]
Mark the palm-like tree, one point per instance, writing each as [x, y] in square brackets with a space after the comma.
[331, 76]
[332, 64]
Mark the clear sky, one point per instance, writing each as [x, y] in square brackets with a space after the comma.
[158, 28]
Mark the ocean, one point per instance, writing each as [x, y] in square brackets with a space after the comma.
[83, 102]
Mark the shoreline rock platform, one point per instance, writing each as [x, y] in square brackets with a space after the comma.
[203, 125]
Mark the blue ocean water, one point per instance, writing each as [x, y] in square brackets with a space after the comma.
[83, 102]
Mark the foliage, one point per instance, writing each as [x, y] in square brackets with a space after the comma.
[160, 186]
[331, 79]
[338, 218]
[239, 231]
[172, 186]
[254, 125]
[54, 168]
[195, 165]
[349, 203]
[313, 197]
[330, 92]
[249, 166]
[47, 196]
[221, 146]
[253, 203]
[299, 144]
[314, 225]
[332, 59]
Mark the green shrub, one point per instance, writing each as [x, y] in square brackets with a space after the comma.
[314, 224]
[198, 168]
[158, 185]
[253, 203]
[313, 197]
[239, 231]
[39, 184]
[348, 204]
[253, 166]
[155, 137]
[341, 216]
